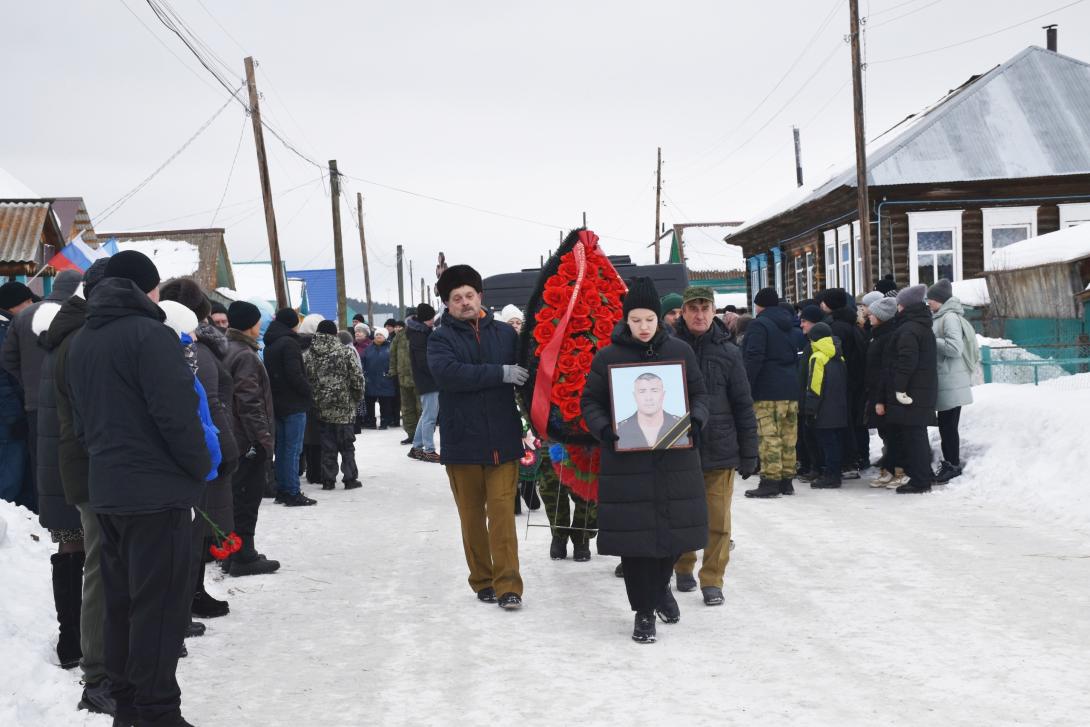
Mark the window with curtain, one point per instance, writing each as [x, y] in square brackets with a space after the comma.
[1005, 226]
[830, 259]
[934, 246]
[844, 257]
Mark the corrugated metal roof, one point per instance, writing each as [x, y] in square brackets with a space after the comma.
[1029, 117]
[21, 226]
[321, 290]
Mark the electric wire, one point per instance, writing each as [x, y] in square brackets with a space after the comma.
[230, 173]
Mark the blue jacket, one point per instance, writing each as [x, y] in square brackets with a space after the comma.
[376, 362]
[211, 433]
[477, 412]
[771, 355]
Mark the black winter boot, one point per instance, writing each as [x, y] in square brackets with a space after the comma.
[68, 599]
[767, 488]
[643, 631]
[580, 551]
[826, 482]
[786, 487]
[558, 549]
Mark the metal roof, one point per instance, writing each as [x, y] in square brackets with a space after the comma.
[1029, 117]
[321, 290]
[21, 225]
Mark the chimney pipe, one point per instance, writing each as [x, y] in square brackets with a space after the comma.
[798, 156]
[1050, 31]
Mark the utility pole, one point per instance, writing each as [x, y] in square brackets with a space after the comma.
[863, 201]
[658, 202]
[366, 270]
[584, 220]
[423, 294]
[279, 278]
[798, 156]
[411, 303]
[400, 283]
[338, 252]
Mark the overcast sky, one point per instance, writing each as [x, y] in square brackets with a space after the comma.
[535, 110]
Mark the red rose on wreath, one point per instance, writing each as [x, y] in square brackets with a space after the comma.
[567, 364]
[546, 314]
[579, 324]
[583, 360]
[556, 297]
[603, 328]
[544, 331]
[570, 409]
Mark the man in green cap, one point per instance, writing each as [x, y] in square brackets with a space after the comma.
[670, 308]
[728, 440]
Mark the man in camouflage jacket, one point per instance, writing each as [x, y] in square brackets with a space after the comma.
[401, 369]
[336, 384]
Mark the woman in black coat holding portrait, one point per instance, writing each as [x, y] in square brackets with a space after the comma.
[651, 504]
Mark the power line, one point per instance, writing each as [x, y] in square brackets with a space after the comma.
[118, 203]
[872, 26]
[979, 37]
[230, 173]
[891, 8]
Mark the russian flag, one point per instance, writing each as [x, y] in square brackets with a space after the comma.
[78, 255]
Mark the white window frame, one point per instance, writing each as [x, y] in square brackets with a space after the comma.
[857, 245]
[1074, 213]
[809, 274]
[1007, 217]
[933, 221]
[832, 259]
[844, 244]
[777, 273]
[800, 278]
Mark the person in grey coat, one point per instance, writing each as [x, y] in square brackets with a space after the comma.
[958, 356]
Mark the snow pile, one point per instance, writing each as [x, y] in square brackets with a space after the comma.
[35, 690]
[172, 258]
[1005, 350]
[1060, 246]
[1025, 447]
[973, 292]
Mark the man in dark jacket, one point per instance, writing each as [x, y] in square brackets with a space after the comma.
[472, 358]
[417, 332]
[72, 463]
[254, 433]
[134, 408]
[771, 359]
[22, 357]
[291, 399]
[728, 440]
[15, 482]
[915, 384]
[825, 406]
[842, 318]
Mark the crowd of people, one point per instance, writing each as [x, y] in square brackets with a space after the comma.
[146, 424]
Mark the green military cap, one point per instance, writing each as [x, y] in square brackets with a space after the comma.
[698, 292]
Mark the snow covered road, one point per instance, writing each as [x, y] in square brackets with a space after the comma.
[849, 607]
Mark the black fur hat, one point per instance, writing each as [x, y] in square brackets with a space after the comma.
[455, 277]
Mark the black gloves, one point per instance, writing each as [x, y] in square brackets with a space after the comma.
[749, 467]
[607, 435]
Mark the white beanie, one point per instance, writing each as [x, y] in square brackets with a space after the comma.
[380, 331]
[43, 316]
[871, 297]
[179, 318]
[310, 323]
[509, 312]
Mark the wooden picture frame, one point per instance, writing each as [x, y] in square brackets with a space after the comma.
[643, 396]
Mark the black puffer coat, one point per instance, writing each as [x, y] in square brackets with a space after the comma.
[915, 369]
[71, 456]
[134, 406]
[770, 351]
[730, 434]
[287, 375]
[878, 375]
[477, 412]
[853, 346]
[54, 512]
[217, 501]
[418, 334]
[651, 504]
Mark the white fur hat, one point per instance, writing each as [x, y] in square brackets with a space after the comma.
[310, 323]
[179, 318]
[509, 312]
[43, 316]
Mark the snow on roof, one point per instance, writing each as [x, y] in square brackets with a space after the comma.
[254, 280]
[1071, 243]
[12, 188]
[296, 287]
[973, 291]
[1029, 117]
[173, 258]
[705, 249]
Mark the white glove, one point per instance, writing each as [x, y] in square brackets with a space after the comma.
[514, 374]
[904, 398]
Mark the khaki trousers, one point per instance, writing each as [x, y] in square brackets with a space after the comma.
[719, 489]
[485, 496]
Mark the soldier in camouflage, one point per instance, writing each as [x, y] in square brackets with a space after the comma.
[337, 387]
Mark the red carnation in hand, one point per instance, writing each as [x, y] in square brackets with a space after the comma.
[219, 553]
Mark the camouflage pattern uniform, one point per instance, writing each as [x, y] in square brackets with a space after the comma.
[401, 367]
[554, 498]
[336, 384]
[778, 428]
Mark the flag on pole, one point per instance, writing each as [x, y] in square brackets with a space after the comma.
[78, 255]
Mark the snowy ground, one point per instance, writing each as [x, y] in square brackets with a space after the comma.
[852, 607]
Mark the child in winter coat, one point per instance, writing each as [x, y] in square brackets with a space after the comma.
[826, 402]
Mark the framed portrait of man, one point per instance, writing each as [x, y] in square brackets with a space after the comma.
[650, 406]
